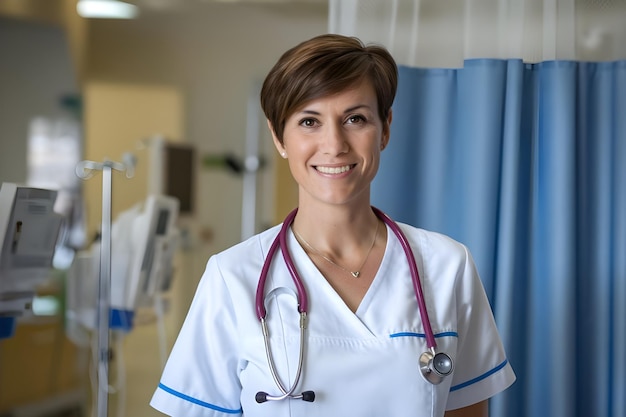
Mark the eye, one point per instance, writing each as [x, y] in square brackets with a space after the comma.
[308, 122]
[355, 119]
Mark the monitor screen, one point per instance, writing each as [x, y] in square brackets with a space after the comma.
[179, 175]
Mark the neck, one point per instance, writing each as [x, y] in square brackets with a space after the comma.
[337, 231]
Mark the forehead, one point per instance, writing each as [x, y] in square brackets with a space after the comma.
[361, 93]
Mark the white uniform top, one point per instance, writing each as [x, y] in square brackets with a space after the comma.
[359, 364]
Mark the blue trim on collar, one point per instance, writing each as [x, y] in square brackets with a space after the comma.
[413, 334]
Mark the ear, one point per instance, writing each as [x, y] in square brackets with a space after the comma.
[279, 146]
[386, 131]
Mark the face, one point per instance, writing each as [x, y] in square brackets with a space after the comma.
[333, 146]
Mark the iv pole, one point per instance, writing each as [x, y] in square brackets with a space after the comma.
[252, 164]
[85, 170]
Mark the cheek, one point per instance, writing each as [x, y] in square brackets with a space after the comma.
[373, 162]
[297, 164]
[299, 148]
[376, 149]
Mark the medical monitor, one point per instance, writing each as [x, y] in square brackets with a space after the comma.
[29, 230]
[156, 241]
[143, 244]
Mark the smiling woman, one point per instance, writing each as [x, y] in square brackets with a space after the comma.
[343, 324]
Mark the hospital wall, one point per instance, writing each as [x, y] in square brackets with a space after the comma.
[204, 66]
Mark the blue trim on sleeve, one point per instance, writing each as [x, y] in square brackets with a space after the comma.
[412, 334]
[479, 378]
[198, 402]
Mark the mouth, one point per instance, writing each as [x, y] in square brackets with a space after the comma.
[334, 170]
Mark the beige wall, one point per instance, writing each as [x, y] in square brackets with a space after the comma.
[117, 117]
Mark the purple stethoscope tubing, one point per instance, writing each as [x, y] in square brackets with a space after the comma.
[303, 304]
[434, 366]
[281, 240]
[415, 277]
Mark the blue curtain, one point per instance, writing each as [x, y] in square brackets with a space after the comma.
[526, 165]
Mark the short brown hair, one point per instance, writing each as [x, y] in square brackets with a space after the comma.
[325, 65]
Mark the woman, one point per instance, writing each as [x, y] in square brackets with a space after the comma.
[328, 104]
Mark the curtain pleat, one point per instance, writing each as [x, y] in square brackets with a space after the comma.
[525, 164]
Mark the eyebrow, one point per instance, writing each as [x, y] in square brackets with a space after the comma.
[348, 110]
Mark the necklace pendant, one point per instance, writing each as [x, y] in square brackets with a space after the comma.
[355, 274]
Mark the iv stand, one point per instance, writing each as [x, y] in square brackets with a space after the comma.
[252, 165]
[85, 170]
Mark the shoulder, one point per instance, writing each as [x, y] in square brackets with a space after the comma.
[436, 244]
[237, 267]
[252, 249]
[440, 257]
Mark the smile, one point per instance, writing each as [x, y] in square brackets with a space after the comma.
[334, 170]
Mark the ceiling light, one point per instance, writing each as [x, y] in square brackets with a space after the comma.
[106, 9]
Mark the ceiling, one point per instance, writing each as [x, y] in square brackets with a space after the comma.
[183, 5]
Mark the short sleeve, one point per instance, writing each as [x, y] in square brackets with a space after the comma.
[201, 374]
[481, 367]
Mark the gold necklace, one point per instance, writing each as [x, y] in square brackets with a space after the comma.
[356, 273]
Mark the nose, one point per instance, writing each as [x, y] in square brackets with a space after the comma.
[335, 140]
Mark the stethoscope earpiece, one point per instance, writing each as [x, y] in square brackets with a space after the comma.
[435, 366]
[308, 396]
[261, 397]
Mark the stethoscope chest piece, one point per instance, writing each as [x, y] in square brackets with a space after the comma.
[435, 366]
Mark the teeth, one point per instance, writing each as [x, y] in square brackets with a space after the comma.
[333, 170]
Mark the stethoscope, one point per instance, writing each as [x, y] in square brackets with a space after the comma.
[434, 366]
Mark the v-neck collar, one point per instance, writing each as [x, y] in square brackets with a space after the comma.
[316, 284]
